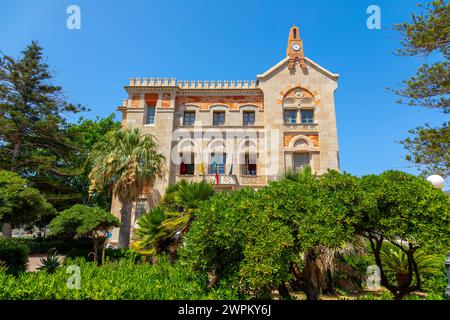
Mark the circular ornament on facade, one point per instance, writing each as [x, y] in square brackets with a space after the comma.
[298, 94]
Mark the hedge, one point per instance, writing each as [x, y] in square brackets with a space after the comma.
[14, 255]
[122, 280]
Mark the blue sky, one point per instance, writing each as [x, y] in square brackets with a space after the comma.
[231, 40]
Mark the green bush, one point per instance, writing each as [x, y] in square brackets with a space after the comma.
[14, 255]
[113, 254]
[435, 284]
[252, 238]
[122, 280]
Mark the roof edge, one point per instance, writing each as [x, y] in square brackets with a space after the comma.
[286, 59]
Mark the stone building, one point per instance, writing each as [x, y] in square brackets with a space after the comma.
[238, 133]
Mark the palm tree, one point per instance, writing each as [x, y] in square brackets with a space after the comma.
[162, 228]
[126, 162]
[150, 238]
[395, 260]
[187, 197]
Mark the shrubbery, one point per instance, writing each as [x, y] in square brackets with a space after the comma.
[14, 255]
[113, 254]
[113, 281]
[84, 221]
[256, 239]
[291, 232]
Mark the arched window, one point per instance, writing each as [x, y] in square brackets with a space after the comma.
[217, 157]
[248, 158]
[186, 150]
[299, 143]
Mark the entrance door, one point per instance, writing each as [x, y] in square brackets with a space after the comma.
[301, 161]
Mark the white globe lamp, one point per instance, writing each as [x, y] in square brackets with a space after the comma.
[437, 181]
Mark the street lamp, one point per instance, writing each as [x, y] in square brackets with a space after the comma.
[438, 182]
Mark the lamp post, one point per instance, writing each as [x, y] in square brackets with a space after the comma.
[438, 182]
[447, 265]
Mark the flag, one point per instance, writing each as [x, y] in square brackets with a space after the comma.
[183, 168]
[217, 172]
[231, 167]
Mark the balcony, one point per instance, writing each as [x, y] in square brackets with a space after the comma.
[230, 180]
[301, 127]
[223, 179]
[252, 180]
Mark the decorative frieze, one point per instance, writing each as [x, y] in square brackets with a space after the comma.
[301, 127]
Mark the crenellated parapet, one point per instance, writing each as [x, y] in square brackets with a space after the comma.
[193, 84]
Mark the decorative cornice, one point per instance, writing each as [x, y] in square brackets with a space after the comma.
[192, 84]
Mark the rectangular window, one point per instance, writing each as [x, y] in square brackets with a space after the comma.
[218, 118]
[249, 118]
[249, 166]
[189, 118]
[150, 118]
[187, 166]
[290, 116]
[307, 116]
[301, 161]
[219, 161]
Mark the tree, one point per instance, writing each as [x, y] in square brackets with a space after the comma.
[428, 33]
[82, 220]
[150, 237]
[126, 162]
[33, 131]
[163, 228]
[395, 261]
[260, 240]
[428, 148]
[86, 133]
[19, 203]
[187, 196]
[408, 213]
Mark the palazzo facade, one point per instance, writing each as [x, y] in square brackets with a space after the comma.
[237, 133]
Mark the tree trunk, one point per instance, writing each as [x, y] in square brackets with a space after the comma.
[7, 230]
[95, 250]
[16, 153]
[104, 249]
[125, 226]
[311, 277]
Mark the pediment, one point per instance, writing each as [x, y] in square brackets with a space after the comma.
[283, 64]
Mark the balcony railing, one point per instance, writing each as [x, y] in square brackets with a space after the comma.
[232, 180]
[223, 179]
[301, 127]
[252, 180]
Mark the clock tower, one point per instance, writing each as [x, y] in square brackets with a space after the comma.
[295, 49]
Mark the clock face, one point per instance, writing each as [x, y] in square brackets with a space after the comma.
[295, 47]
